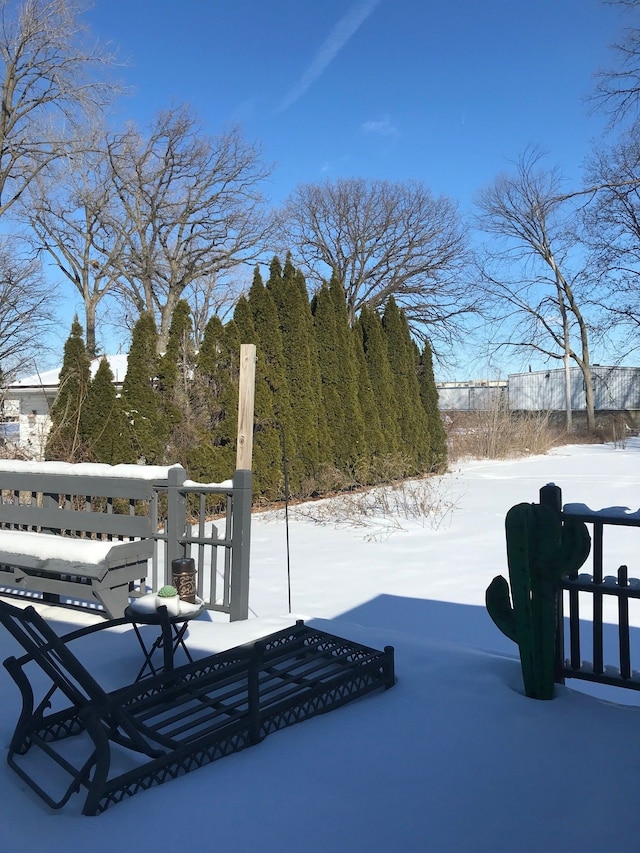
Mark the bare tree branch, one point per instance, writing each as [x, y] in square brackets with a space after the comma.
[51, 80]
[533, 282]
[189, 207]
[25, 308]
[69, 207]
[381, 239]
[617, 89]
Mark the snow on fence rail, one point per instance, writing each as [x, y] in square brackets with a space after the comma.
[178, 512]
[221, 555]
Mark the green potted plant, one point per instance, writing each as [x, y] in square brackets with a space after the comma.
[168, 596]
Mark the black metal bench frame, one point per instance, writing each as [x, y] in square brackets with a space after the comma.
[177, 721]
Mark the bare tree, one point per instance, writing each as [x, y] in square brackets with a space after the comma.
[25, 309]
[68, 207]
[529, 281]
[209, 296]
[379, 239]
[189, 208]
[617, 89]
[611, 222]
[51, 78]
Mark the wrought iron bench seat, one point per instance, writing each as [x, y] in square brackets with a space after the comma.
[174, 722]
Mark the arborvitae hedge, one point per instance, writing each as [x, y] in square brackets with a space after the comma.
[269, 336]
[302, 372]
[374, 344]
[140, 399]
[104, 426]
[373, 433]
[267, 442]
[353, 405]
[412, 418]
[65, 441]
[215, 404]
[339, 372]
[429, 396]
[175, 366]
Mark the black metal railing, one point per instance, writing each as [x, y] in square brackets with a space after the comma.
[589, 642]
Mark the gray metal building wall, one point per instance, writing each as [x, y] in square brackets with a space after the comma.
[615, 388]
[470, 397]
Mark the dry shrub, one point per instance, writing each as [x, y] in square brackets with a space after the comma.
[330, 480]
[381, 510]
[499, 434]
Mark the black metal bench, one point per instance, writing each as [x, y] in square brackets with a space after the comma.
[175, 722]
[77, 531]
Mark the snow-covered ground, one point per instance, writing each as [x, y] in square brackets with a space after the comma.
[453, 759]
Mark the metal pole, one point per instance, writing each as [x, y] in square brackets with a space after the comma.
[285, 471]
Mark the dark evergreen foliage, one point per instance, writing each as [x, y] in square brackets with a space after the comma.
[267, 438]
[374, 344]
[270, 343]
[339, 374]
[140, 399]
[65, 441]
[104, 426]
[351, 405]
[412, 418]
[175, 367]
[429, 396]
[212, 456]
[302, 371]
[373, 434]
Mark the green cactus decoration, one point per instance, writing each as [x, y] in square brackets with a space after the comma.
[540, 550]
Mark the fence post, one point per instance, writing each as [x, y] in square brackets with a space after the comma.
[240, 546]
[176, 519]
[551, 496]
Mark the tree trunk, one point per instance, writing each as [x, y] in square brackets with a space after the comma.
[589, 396]
[567, 385]
[90, 331]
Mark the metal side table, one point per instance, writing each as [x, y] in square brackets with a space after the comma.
[170, 639]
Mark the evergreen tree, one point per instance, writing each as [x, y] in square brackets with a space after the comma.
[175, 385]
[302, 371]
[267, 445]
[104, 425]
[210, 375]
[429, 397]
[373, 434]
[314, 363]
[65, 441]
[267, 327]
[339, 373]
[412, 418]
[212, 457]
[374, 344]
[140, 400]
[175, 366]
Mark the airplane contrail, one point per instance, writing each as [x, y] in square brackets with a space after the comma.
[338, 37]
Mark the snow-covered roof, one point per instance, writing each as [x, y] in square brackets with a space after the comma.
[50, 378]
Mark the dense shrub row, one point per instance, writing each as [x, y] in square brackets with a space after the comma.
[344, 406]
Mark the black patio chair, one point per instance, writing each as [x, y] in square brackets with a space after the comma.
[174, 722]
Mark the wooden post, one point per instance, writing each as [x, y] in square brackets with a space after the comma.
[246, 394]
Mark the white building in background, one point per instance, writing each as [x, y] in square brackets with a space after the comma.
[615, 390]
[25, 420]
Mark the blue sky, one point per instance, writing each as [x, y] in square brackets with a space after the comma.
[446, 91]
